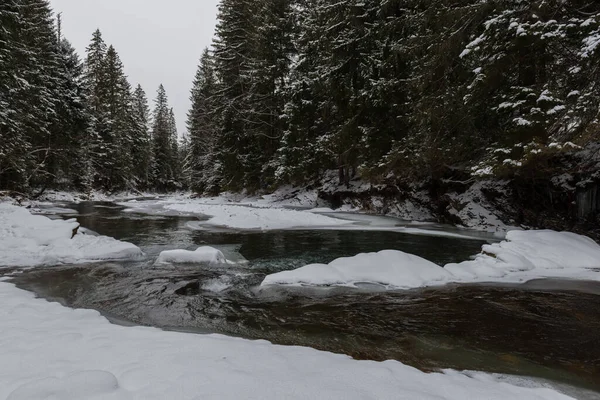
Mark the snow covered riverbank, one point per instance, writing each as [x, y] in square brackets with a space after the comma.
[265, 214]
[361, 197]
[523, 256]
[28, 240]
[236, 216]
[49, 351]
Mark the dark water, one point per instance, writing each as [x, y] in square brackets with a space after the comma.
[548, 329]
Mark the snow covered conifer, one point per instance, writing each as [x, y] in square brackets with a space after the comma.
[14, 145]
[203, 128]
[141, 141]
[162, 165]
[234, 47]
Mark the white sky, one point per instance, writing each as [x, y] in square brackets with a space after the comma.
[158, 41]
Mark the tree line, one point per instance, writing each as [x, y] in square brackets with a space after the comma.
[73, 124]
[393, 91]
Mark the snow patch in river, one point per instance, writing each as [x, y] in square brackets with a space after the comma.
[523, 256]
[204, 254]
[389, 268]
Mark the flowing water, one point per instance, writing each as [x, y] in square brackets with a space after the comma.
[546, 329]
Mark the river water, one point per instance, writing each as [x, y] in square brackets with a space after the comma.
[545, 329]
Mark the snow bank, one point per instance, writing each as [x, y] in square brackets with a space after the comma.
[389, 268]
[526, 255]
[28, 240]
[245, 217]
[204, 254]
[238, 216]
[49, 351]
[523, 256]
[261, 216]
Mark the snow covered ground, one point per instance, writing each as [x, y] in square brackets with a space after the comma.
[245, 216]
[34, 240]
[48, 351]
[523, 256]
[252, 214]
[474, 210]
[470, 207]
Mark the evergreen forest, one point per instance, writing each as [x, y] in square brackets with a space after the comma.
[399, 93]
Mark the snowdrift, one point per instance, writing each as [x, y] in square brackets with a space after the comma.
[523, 256]
[28, 240]
[389, 268]
[526, 255]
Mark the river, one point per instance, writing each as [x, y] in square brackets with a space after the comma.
[546, 329]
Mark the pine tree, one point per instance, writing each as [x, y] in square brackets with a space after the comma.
[174, 143]
[142, 143]
[95, 81]
[119, 137]
[349, 70]
[233, 51]
[162, 166]
[72, 124]
[301, 157]
[267, 94]
[185, 161]
[203, 129]
[14, 145]
[42, 94]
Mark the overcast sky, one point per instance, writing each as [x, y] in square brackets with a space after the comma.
[158, 41]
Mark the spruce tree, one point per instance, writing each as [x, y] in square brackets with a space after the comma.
[174, 143]
[141, 141]
[234, 47]
[71, 128]
[203, 129]
[119, 137]
[301, 157]
[95, 84]
[162, 165]
[267, 95]
[14, 145]
[41, 71]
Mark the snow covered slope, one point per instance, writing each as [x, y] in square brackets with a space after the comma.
[28, 240]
